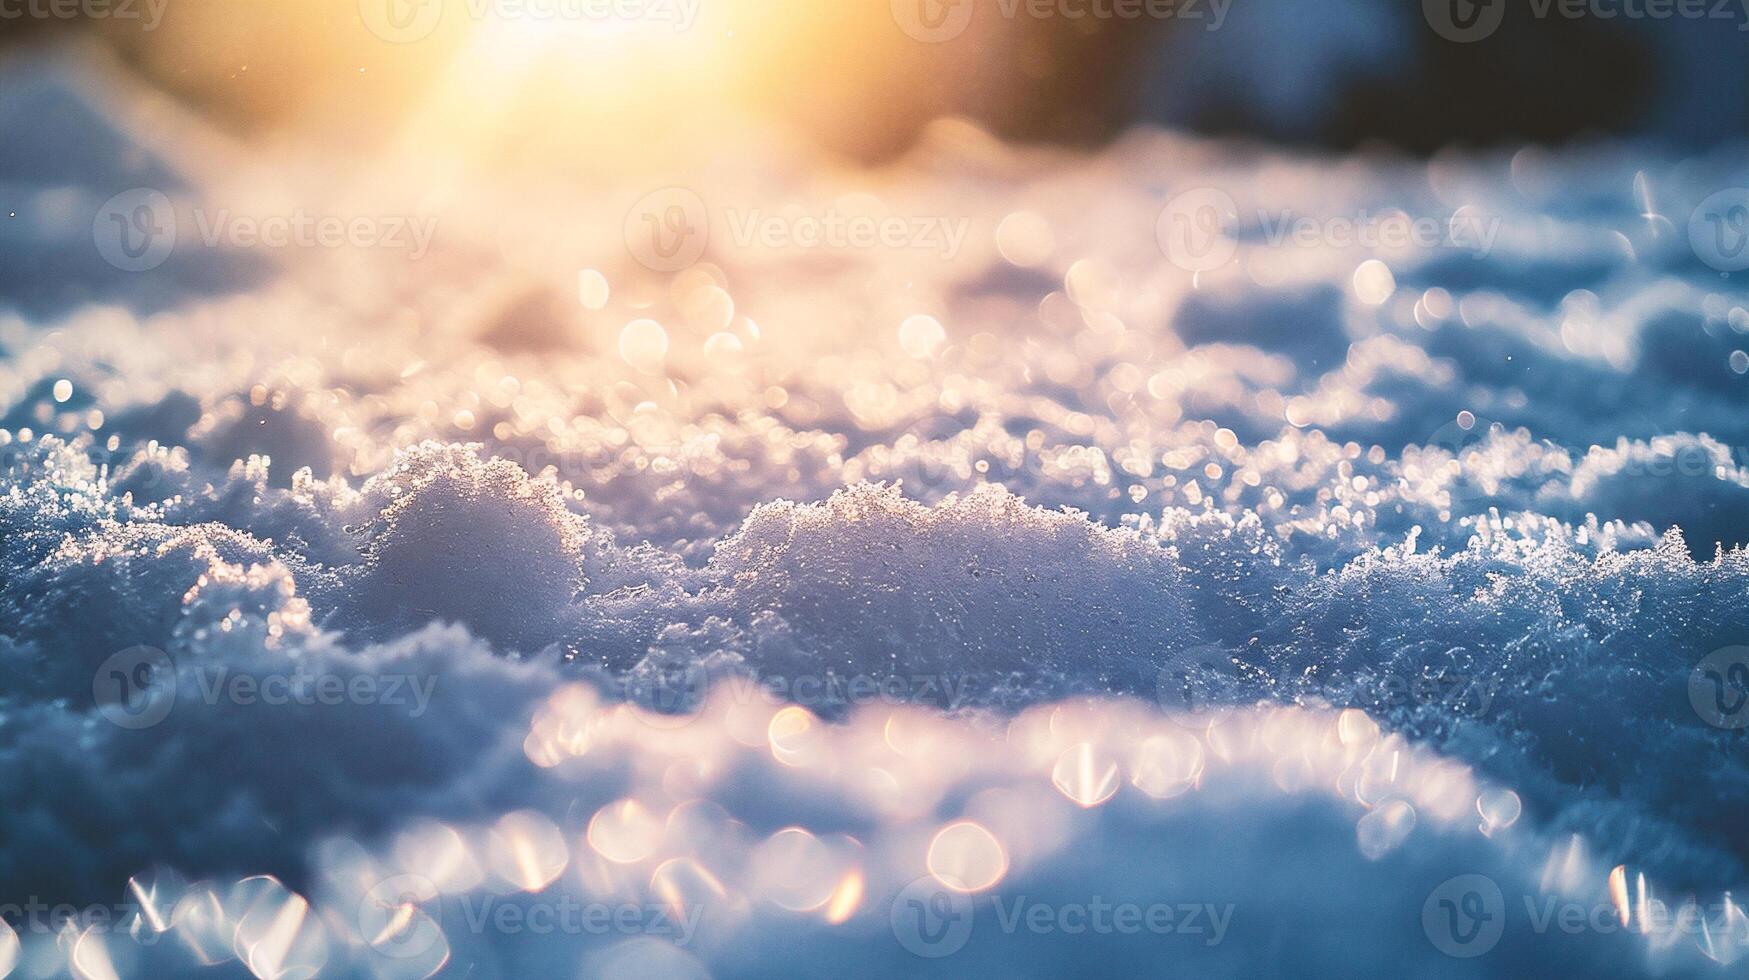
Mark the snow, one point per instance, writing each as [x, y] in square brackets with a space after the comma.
[986, 523]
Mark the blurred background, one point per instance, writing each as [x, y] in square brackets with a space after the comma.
[862, 77]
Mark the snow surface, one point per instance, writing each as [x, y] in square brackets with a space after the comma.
[1493, 504]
